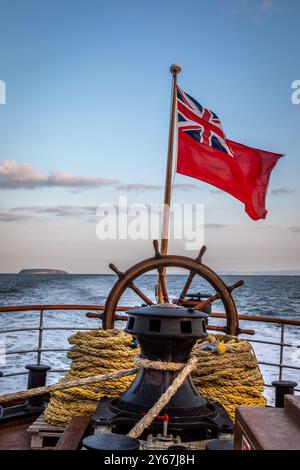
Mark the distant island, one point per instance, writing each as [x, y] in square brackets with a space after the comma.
[42, 271]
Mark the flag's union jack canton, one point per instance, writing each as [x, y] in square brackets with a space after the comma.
[200, 123]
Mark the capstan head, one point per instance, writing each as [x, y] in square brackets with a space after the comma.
[166, 320]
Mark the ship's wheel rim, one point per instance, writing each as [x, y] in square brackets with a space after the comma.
[160, 262]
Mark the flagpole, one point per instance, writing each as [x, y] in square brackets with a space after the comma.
[175, 69]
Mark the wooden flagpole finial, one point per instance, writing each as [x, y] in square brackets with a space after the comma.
[175, 68]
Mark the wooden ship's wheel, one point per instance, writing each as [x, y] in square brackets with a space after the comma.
[160, 263]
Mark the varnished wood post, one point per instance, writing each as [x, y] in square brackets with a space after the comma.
[174, 69]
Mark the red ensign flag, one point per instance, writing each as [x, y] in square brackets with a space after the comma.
[205, 153]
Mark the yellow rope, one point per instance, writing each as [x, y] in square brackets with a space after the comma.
[227, 372]
[92, 352]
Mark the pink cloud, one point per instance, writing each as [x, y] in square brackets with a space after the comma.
[15, 175]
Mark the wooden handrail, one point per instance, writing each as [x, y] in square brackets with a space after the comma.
[278, 320]
[24, 308]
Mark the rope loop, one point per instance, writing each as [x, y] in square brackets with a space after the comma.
[141, 363]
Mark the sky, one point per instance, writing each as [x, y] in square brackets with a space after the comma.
[86, 121]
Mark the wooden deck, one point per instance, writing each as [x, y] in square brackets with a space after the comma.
[15, 435]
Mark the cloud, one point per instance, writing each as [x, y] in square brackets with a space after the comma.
[263, 8]
[255, 10]
[11, 217]
[186, 186]
[138, 187]
[62, 210]
[57, 210]
[216, 226]
[15, 175]
[265, 5]
[35, 213]
[282, 191]
[85, 213]
[295, 229]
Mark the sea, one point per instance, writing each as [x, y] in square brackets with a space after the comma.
[262, 295]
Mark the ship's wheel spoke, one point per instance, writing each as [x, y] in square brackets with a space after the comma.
[131, 285]
[217, 296]
[206, 302]
[186, 287]
[163, 285]
[140, 293]
[191, 276]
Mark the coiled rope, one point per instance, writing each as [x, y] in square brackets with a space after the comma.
[92, 353]
[227, 371]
